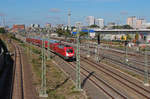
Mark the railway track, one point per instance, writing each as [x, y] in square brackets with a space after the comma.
[17, 90]
[135, 87]
[114, 92]
[107, 89]
[134, 66]
[115, 76]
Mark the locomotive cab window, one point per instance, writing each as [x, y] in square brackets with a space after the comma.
[69, 51]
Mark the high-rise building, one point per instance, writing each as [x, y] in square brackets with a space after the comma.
[132, 21]
[90, 20]
[140, 22]
[100, 23]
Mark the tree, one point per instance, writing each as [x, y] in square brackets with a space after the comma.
[2, 30]
[122, 37]
[60, 31]
[129, 37]
[127, 27]
[117, 27]
[94, 26]
[122, 27]
[83, 33]
[115, 37]
[136, 36]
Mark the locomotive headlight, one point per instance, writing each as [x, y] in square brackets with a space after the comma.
[67, 54]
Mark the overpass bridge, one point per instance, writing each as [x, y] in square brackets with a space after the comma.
[123, 31]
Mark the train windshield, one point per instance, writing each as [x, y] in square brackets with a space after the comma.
[69, 51]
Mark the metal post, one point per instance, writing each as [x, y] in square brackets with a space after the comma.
[78, 85]
[43, 84]
[146, 80]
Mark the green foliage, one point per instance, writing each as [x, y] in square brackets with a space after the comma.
[122, 37]
[94, 26]
[129, 37]
[136, 36]
[122, 27]
[13, 37]
[117, 27]
[127, 27]
[60, 31]
[83, 33]
[36, 51]
[2, 30]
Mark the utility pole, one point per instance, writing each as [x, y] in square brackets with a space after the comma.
[78, 82]
[146, 81]
[43, 76]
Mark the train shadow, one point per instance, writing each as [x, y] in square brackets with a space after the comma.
[85, 80]
[6, 72]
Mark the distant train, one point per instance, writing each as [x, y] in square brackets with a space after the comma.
[65, 51]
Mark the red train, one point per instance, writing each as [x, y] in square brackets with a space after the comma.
[65, 51]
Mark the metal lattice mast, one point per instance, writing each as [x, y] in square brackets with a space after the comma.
[98, 46]
[78, 85]
[43, 84]
[88, 54]
[146, 81]
[49, 56]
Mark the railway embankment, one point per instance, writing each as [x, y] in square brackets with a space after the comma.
[6, 70]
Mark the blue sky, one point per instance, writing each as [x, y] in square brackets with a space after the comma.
[55, 11]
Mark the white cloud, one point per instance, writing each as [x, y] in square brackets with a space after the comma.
[55, 10]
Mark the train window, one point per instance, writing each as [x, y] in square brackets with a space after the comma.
[61, 46]
[69, 51]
